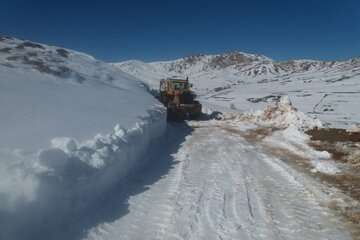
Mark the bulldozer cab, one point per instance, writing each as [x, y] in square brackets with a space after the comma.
[171, 85]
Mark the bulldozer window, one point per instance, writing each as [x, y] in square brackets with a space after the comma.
[181, 86]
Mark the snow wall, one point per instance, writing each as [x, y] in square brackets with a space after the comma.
[65, 180]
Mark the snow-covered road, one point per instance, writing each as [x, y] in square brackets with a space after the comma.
[219, 186]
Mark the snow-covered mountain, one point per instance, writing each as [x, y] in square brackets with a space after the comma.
[239, 64]
[69, 124]
[327, 89]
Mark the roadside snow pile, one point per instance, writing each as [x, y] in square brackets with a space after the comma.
[291, 125]
[64, 142]
[279, 115]
[288, 131]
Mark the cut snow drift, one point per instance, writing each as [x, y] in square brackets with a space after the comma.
[72, 128]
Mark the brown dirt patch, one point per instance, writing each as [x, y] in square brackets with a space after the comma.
[345, 148]
[348, 183]
[251, 135]
[333, 135]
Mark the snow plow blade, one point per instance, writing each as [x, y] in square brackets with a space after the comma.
[184, 111]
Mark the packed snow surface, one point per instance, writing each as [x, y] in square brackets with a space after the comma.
[220, 186]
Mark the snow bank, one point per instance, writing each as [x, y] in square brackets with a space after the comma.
[63, 181]
[291, 125]
[279, 115]
[92, 167]
[17, 181]
[66, 140]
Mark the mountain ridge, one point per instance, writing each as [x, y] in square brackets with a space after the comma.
[251, 65]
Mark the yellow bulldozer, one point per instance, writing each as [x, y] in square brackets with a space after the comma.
[179, 99]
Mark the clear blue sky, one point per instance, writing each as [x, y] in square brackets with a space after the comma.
[152, 30]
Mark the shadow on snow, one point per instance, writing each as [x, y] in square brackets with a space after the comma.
[50, 218]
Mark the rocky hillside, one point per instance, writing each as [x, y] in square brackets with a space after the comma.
[55, 61]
